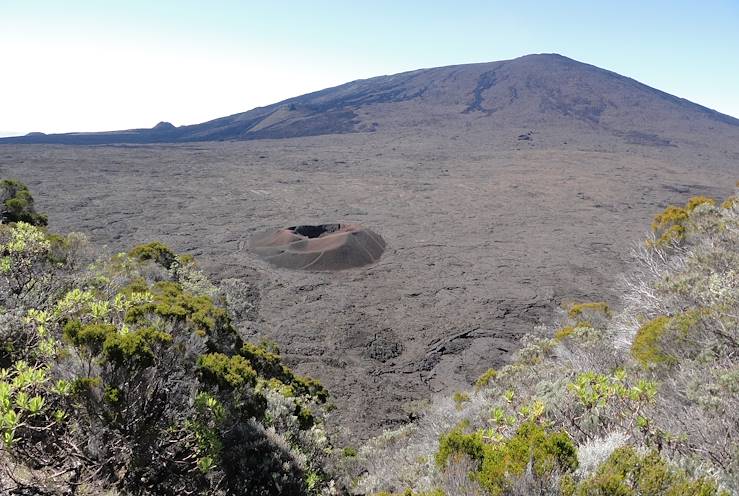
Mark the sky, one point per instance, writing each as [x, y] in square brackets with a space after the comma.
[79, 65]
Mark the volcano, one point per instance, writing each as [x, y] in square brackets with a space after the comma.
[534, 91]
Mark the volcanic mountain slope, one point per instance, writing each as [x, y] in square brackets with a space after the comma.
[530, 91]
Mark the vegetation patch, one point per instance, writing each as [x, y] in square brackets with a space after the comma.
[156, 252]
[645, 347]
[500, 462]
[17, 204]
[628, 473]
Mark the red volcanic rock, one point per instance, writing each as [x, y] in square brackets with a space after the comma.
[321, 247]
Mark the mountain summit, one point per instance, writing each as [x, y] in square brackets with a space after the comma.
[535, 91]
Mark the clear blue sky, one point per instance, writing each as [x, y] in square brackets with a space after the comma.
[94, 65]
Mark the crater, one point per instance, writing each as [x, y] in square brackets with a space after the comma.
[315, 231]
[321, 247]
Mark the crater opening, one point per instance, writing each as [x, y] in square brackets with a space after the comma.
[315, 231]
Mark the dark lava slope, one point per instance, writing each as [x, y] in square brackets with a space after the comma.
[523, 92]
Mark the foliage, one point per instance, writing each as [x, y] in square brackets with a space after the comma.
[655, 339]
[485, 378]
[226, 371]
[114, 376]
[545, 453]
[578, 310]
[645, 346]
[627, 473]
[155, 251]
[17, 205]
[672, 225]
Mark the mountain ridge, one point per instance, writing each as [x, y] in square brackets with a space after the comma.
[545, 89]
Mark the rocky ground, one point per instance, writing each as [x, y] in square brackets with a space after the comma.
[486, 237]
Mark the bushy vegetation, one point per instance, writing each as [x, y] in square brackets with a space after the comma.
[16, 204]
[626, 472]
[530, 448]
[125, 375]
[639, 401]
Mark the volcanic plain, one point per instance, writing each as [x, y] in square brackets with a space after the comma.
[493, 218]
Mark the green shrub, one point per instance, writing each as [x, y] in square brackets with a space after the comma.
[697, 201]
[457, 442]
[671, 224]
[499, 462]
[564, 332]
[648, 347]
[627, 473]
[266, 361]
[578, 309]
[550, 453]
[460, 398]
[199, 313]
[134, 347]
[17, 205]
[226, 371]
[154, 251]
[645, 347]
[90, 336]
[485, 378]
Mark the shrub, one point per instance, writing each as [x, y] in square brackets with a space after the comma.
[659, 340]
[627, 473]
[460, 398]
[485, 378]
[234, 371]
[155, 251]
[266, 361]
[645, 347]
[135, 348]
[91, 336]
[457, 442]
[547, 453]
[17, 205]
[671, 225]
[563, 332]
[198, 313]
[698, 200]
[579, 309]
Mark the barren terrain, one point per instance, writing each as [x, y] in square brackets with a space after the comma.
[498, 202]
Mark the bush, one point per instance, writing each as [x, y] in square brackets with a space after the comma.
[627, 473]
[154, 251]
[17, 205]
[671, 225]
[125, 383]
[225, 371]
[499, 463]
[645, 347]
[661, 339]
[578, 310]
[485, 378]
